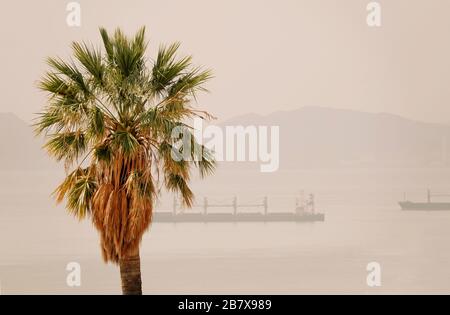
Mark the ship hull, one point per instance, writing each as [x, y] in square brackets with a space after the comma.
[240, 217]
[425, 206]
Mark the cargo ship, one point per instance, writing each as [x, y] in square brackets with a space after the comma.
[429, 205]
[304, 212]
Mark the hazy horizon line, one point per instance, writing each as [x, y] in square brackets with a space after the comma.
[266, 115]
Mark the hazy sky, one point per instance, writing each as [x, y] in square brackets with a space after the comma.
[266, 55]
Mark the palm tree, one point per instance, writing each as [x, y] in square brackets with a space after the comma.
[109, 117]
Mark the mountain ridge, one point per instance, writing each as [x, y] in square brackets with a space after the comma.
[310, 137]
[313, 137]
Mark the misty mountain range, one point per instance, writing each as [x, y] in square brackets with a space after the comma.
[20, 149]
[314, 137]
[310, 137]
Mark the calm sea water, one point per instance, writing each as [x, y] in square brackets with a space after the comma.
[363, 224]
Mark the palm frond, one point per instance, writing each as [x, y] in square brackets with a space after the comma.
[125, 142]
[91, 59]
[191, 83]
[167, 68]
[79, 199]
[108, 44]
[103, 153]
[96, 124]
[176, 183]
[53, 84]
[71, 71]
[67, 145]
[206, 162]
[129, 55]
[79, 188]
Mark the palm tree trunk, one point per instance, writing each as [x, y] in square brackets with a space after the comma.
[130, 273]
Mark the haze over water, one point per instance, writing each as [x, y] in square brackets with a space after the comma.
[363, 224]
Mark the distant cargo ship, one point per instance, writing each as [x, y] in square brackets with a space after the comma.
[426, 206]
[304, 212]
